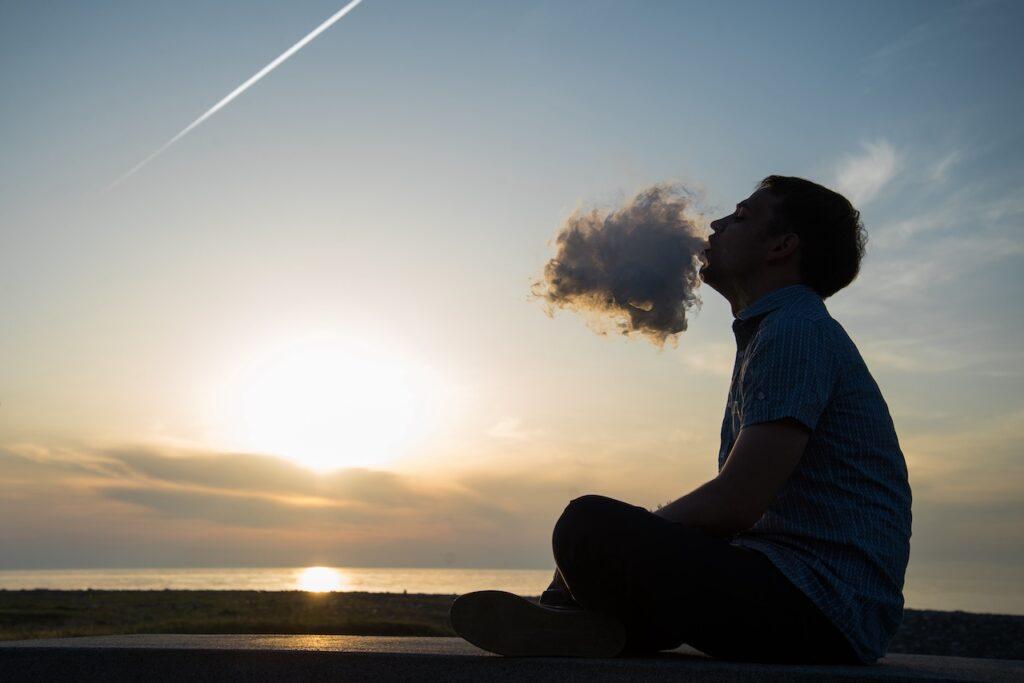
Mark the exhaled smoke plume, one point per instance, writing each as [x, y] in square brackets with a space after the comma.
[635, 268]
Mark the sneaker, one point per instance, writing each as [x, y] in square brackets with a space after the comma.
[556, 597]
[510, 625]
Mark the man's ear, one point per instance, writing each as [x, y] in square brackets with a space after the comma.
[783, 245]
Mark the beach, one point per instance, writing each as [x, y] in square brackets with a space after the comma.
[57, 613]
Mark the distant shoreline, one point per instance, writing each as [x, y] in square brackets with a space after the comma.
[48, 613]
[943, 587]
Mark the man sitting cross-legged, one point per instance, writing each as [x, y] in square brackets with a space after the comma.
[797, 551]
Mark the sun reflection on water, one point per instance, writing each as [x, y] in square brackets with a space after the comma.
[319, 580]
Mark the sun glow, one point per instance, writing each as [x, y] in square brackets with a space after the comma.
[319, 580]
[331, 404]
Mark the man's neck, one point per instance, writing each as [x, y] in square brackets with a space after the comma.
[742, 297]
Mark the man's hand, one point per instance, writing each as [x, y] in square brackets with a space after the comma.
[761, 460]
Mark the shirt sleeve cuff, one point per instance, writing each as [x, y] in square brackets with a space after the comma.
[770, 413]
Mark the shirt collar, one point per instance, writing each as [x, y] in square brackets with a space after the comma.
[774, 299]
[749, 319]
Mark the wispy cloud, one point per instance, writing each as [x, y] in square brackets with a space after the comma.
[861, 177]
[965, 230]
[712, 359]
[240, 509]
[941, 26]
[145, 506]
[309, 37]
[153, 498]
[945, 351]
[512, 428]
[940, 168]
[921, 255]
[920, 283]
[946, 260]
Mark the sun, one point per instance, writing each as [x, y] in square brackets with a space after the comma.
[320, 580]
[327, 404]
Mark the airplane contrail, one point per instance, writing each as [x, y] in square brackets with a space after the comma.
[240, 89]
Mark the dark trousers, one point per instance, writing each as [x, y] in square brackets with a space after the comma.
[671, 584]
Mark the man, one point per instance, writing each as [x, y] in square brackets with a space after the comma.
[797, 550]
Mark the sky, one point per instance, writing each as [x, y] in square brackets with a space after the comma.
[303, 333]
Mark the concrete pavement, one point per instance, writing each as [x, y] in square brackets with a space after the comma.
[365, 658]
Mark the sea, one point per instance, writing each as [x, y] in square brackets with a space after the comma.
[953, 586]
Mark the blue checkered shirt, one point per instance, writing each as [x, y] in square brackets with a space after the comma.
[840, 527]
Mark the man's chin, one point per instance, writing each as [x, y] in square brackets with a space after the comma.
[707, 277]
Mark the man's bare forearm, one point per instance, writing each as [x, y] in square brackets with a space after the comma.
[707, 508]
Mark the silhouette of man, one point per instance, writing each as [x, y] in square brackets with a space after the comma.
[797, 550]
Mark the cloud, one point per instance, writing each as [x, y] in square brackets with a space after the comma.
[233, 509]
[861, 177]
[715, 359]
[944, 260]
[938, 258]
[150, 498]
[511, 428]
[940, 168]
[153, 478]
[911, 257]
[939, 353]
[262, 473]
[942, 283]
[145, 506]
[947, 26]
[145, 500]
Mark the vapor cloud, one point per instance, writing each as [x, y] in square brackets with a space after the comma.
[635, 268]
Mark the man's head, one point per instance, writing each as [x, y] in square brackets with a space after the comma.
[788, 231]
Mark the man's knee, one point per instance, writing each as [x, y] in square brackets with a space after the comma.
[579, 517]
[583, 509]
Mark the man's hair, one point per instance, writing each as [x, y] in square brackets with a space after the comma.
[832, 237]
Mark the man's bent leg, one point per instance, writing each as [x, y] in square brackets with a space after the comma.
[671, 584]
[557, 593]
[626, 561]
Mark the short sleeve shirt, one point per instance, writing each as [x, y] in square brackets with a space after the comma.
[840, 527]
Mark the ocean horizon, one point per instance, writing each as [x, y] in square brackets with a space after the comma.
[947, 587]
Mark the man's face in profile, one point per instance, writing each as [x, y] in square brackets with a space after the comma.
[737, 246]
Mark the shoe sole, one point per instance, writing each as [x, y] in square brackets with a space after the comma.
[510, 625]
